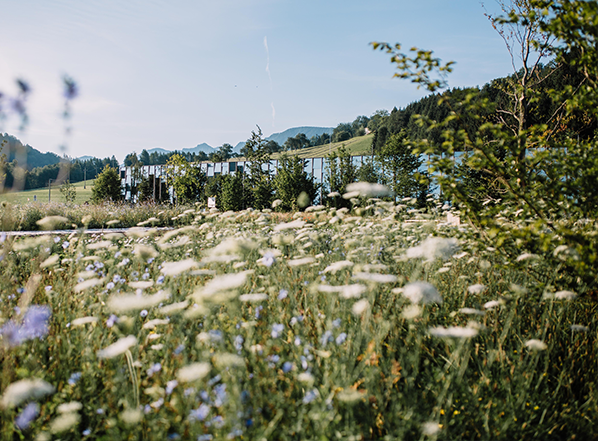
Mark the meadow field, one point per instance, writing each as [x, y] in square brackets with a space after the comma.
[381, 322]
[48, 195]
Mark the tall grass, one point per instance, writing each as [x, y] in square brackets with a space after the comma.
[246, 325]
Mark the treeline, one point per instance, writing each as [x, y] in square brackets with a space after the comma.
[20, 178]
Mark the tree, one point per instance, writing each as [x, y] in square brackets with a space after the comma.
[106, 186]
[260, 177]
[340, 171]
[231, 192]
[545, 168]
[144, 157]
[291, 180]
[68, 191]
[131, 159]
[187, 180]
[399, 168]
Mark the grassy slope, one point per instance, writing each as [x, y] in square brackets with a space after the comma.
[356, 146]
[26, 196]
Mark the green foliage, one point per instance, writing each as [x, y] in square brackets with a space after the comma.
[187, 180]
[106, 187]
[260, 176]
[232, 192]
[399, 168]
[68, 191]
[340, 172]
[536, 145]
[291, 181]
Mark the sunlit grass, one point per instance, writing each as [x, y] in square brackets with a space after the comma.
[250, 325]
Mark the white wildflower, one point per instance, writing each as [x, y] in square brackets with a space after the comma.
[64, 422]
[411, 312]
[434, 248]
[72, 406]
[421, 292]
[24, 390]
[118, 348]
[527, 256]
[350, 396]
[478, 288]
[471, 311]
[50, 261]
[306, 378]
[99, 245]
[155, 322]
[345, 291]
[301, 261]
[253, 297]
[83, 321]
[454, 332]
[565, 295]
[173, 308]
[360, 306]
[142, 284]
[87, 284]
[223, 360]
[337, 266]
[297, 223]
[133, 302]
[430, 428]
[369, 190]
[535, 345]
[579, 328]
[492, 304]
[176, 268]
[131, 416]
[192, 372]
[376, 278]
[51, 222]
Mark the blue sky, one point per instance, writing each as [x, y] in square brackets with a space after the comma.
[174, 74]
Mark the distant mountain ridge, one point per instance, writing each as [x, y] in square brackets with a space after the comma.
[280, 138]
[31, 157]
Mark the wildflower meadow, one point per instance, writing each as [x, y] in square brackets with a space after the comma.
[379, 322]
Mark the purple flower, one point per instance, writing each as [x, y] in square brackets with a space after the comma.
[277, 329]
[310, 396]
[70, 88]
[26, 417]
[34, 325]
[170, 385]
[341, 338]
[268, 259]
[283, 294]
[200, 413]
[74, 378]
[287, 366]
[111, 320]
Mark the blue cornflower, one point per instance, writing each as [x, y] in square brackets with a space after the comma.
[200, 414]
[268, 259]
[283, 294]
[341, 338]
[336, 323]
[86, 432]
[287, 366]
[220, 391]
[277, 329]
[180, 348]
[26, 417]
[310, 396]
[34, 325]
[238, 342]
[326, 337]
[74, 378]
[111, 320]
[170, 385]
